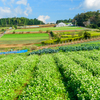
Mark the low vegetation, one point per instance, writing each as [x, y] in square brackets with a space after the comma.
[59, 76]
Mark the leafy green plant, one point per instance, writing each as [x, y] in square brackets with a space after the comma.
[87, 35]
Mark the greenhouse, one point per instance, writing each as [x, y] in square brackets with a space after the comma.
[61, 24]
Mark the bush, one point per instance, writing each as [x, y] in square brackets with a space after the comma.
[3, 30]
[52, 34]
[33, 47]
[87, 35]
[13, 32]
[80, 33]
[40, 31]
[48, 31]
[15, 26]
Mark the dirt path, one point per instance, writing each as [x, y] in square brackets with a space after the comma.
[2, 34]
[14, 45]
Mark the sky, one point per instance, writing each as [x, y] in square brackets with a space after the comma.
[48, 11]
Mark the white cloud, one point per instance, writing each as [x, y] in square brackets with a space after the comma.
[24, 2]
[12, 1]
[28, 10]
[18, 10]
[3, 0]
[5, 11]
[91, 4]
[43, 18]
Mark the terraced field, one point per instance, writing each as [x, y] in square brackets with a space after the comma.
[58, 76]
[48, 28]
[23, 38]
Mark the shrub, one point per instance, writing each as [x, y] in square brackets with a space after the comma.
[33, 47]
[3, 30]
[52, 34]
[13, 32]
[15, 26]
[87, 35]
[40, 31]
[80, 33]
[48, 31]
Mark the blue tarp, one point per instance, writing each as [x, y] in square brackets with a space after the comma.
[21, 51]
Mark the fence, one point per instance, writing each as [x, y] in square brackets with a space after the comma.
[10, 52]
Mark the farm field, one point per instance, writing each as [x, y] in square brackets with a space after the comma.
[48, 28]
[23, 38]
[58, 76]
[4, 27]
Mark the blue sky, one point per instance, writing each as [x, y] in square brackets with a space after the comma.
[46, 10]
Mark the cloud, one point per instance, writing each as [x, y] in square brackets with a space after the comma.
[43, 18]
[5, 11]
[91, 4]
[28, 10]
[18, 10]
[3, 0]
[24, 2]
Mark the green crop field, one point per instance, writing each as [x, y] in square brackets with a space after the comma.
[4, 27]
[59, 76]
[23, 38]
[48, 28]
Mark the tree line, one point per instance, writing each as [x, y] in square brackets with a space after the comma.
[88, 19]
[64, 21]
[9, 22]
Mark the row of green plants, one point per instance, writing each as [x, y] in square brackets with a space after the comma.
[56, 38]
[83, 47]
[20, 70]
[46, 83]
[82, 85]
[85, 62]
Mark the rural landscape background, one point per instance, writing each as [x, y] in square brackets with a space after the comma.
[49, 50]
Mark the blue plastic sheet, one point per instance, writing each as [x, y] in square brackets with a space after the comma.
[10, 52]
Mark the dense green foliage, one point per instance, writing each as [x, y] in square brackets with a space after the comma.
[70, 36]
[82, 47]
[92, 16]
[64, 21]
[9, 22]
[59, 76]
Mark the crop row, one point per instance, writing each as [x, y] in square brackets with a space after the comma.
[82, 85]
[94, 55]
[65, 49]
[8, 65]
[11, 84]
[85, 62]
[46, 83]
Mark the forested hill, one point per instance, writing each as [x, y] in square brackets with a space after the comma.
[19, 21]
[91, 18]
